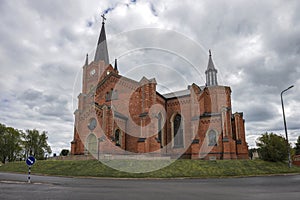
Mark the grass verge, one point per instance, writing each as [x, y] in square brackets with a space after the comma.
[180, 168]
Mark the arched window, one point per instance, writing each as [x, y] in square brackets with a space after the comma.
[178, 131]
[159, 128]
[212, 138]
[91, 144]
[107, 96]
[118, 137]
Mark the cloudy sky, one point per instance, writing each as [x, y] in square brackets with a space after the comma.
[255, 45]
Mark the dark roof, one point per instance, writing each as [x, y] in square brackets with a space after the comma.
[102, 36]
[87, 60]
[176, 94]
[116, 65]
[101, 51]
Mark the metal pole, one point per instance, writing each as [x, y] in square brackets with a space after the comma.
[29, 171]
[285, 128]
[98, 148]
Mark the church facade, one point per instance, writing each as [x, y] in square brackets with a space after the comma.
[119, 116]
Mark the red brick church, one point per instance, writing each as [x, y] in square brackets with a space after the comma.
[120, 116]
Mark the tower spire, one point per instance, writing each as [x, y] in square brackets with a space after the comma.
[101, 51]
[116, 64]
[211, 72]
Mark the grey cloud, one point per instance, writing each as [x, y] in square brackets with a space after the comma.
[278, 75]
[31, 97]
[260, 112]
[46, 105]
[255, 48]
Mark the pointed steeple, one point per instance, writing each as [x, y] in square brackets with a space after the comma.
[116, 64]
[211, 72]
[87, 60]
[101, 51]
[210, 62]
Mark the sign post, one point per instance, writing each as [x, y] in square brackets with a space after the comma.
[30, 161]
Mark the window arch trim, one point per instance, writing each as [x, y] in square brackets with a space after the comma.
[212, 137]
[180, 141]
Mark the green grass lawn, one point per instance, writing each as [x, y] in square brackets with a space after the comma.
[180, 168]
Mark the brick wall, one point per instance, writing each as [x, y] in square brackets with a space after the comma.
[137, 105]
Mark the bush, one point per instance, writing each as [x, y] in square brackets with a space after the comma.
[272, 147]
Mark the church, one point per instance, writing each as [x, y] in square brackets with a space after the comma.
[119, 116]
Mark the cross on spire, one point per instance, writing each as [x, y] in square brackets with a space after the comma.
[103, 18]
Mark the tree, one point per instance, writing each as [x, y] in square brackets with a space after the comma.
[272, 147]
[35, 144]
[2, 132]
[10, 143]
[297, 148]
[64, 152]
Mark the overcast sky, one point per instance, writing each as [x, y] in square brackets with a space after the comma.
[255, 46]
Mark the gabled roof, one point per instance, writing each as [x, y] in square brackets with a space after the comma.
[177, 94]
[144, 80]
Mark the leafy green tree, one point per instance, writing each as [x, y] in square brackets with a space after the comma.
[35, 144]
[297, 148]
[272, 147]
[2, 143]
[64, 152]
[10, 143]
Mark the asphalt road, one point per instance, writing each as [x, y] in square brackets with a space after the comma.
[14, 186]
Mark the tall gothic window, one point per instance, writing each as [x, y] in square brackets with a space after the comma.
[178, 131]
[159, 128]
[212, 138]
[117, 137]
[107, 96]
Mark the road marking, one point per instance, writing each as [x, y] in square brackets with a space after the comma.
[20, 182]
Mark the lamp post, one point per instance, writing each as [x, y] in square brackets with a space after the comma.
[99, 140]
[284, 122]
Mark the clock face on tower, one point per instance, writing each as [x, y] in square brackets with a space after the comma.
[92, 72]
[93, 123]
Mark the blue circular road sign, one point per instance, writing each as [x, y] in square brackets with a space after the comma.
[30, 160]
